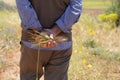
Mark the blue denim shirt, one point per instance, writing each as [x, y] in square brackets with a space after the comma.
[29, 19]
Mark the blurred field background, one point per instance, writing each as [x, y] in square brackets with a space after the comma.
[96, 45]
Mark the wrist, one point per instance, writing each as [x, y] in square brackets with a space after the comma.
[56, 30]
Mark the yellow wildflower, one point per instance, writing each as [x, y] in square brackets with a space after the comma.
[102, 17]
[91, 32]
[112, 17]
[84, 61]
[89, 65]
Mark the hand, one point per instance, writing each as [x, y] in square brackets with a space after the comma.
[51, 43]
[54, 31]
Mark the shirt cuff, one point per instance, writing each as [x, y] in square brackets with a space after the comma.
[36, 24]
[61, 25]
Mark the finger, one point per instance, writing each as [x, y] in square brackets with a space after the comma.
[49, 44]
[52, 43]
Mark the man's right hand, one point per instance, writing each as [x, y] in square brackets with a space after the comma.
[51, 43]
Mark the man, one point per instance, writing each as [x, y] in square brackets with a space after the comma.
[54, 17]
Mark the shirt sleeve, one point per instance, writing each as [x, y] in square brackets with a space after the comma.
[70, 16]
[27, 14]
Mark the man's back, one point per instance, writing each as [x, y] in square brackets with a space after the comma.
[48, 11]
[42, 14]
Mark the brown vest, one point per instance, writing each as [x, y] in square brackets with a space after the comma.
[48, 11]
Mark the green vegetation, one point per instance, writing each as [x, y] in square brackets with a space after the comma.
[114, 8]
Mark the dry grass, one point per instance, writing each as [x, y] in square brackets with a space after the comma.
[11, 2]
[96, 59]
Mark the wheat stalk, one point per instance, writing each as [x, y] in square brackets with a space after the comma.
[40, 38]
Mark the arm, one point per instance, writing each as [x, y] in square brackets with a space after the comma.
[27, 14]
[70, 16]
[64, 23]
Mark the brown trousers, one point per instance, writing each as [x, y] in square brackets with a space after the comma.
[55, 63]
